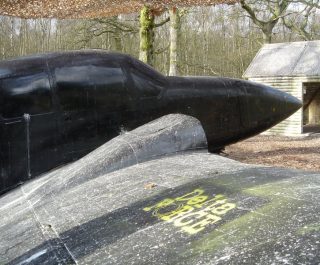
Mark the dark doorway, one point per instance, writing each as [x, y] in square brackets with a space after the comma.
[311, 108]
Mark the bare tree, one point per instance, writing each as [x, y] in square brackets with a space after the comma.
[147, 34]
[175, 37]
[113, 27]
[299, 20]
[175, 25]
[215, 40]
[266, 14]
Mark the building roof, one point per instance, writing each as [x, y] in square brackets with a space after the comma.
[286, 59]
[89, 8]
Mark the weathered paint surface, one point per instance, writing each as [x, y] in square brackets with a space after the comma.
[102, 210]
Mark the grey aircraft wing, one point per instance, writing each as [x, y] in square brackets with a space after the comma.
[155, 196]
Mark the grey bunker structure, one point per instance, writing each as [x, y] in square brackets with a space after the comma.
[293, 68]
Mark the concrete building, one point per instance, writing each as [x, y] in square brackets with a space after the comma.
[293, 68]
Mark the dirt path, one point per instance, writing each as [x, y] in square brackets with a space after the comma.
[299, 153]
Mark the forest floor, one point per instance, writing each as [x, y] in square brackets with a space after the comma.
[288, 152]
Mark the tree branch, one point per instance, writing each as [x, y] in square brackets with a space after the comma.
[162, 22]
[251, 13]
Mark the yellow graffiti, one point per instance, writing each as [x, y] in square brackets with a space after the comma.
[193, 211]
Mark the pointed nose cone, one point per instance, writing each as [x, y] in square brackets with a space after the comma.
[267, 106]
[283, 105]
[292, 104]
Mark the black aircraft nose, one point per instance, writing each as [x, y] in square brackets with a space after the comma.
[288, 104]
[264, 106]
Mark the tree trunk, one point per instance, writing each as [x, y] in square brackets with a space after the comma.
[22, 38]
[49, 35]
[146, 35]
[175, 25]
[12, 33]
[266, 37]
[118, 40]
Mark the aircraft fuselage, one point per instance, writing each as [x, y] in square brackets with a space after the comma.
[55, 108]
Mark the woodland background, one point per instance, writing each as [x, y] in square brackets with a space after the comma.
[214, 40]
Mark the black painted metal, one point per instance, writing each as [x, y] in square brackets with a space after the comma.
[76, 101]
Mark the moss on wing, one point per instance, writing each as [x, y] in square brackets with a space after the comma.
[254, 228]
[309, 229]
